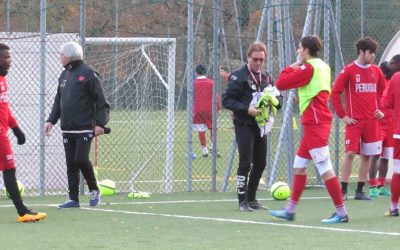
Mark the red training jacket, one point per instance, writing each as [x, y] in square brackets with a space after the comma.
[318, 111]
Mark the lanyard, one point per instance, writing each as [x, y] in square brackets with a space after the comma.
[258, 83]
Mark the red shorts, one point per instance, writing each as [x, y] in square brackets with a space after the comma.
[314, 136]
[387, 134]
[6, 154]
[203, 118]
[364, 134]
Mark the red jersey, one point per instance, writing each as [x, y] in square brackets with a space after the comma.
[203, 92]
[7, 120]
[391, 99]
[363, 87]
[318, 111]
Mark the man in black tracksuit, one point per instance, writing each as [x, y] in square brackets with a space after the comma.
[243, 85]
[81, 106]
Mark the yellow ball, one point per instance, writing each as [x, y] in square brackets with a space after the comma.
[107, 187]
[21, 189]
[280, 191]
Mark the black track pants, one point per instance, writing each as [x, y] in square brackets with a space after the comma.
[252, 159]
[77, 149]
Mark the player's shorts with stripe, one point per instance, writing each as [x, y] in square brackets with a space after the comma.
[6, 154]
[314, 136]
[396, 156]
[387, 129]
[363, 137]
[203, 118]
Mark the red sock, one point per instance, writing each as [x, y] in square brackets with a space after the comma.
[202, 138]
[299, 183]
[333, 187]
[372, 182]
[381, 181]
[395, 187]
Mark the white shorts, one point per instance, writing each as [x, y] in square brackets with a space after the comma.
[200, 127]
[320, 157]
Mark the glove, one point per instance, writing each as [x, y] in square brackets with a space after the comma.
[262, 118]
[20, 135]
[270, 97]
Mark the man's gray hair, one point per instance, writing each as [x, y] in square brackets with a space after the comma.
[72, 50]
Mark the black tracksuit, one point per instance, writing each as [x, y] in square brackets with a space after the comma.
[252, 147]
[80, 104]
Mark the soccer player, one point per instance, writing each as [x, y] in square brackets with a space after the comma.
[312, 77]
[380, 163]
[363, 84]
[224, 73]
[7, 165]
[202, 112]
[244, 87]
[391, 99]
[81, 106]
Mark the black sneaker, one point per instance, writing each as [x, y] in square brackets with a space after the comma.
[205, 155]
[392, 213]
[257, 205]
[360, 195]
[244, 207]
[218, 154]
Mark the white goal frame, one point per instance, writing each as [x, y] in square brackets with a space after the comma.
[168, 83]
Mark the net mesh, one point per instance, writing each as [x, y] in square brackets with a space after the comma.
[135, 80]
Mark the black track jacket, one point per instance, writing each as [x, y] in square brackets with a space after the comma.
[80, 103]
[239, 94]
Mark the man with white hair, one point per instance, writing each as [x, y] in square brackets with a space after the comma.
[81, 106]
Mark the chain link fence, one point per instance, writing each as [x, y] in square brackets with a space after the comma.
[135, 154]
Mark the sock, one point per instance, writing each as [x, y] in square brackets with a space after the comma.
[373, 183]
[381, 182]
[10, 181]
[344, 186]
[299, 183]
[360, 186]
[291, 207]
[395, 189]
[202, 138]
[332, 185]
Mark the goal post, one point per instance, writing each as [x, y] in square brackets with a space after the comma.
[138, 76]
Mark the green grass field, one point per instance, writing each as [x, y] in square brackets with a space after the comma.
[200, 220]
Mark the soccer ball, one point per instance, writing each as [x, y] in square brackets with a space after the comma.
[280, 191]
[21, 189]
[107, 187]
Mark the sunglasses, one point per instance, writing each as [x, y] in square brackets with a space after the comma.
[255, 59]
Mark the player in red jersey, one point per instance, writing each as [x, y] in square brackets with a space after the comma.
[202, 112]
[7, 165]
[379, 163]
[391, 99]
[312, 78]
[363, 84]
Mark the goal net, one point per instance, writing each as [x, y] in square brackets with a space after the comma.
[138, 77]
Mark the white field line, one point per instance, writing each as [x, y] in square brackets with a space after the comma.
[215, 219]
[245, 222]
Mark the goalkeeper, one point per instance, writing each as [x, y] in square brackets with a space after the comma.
[246, 88]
